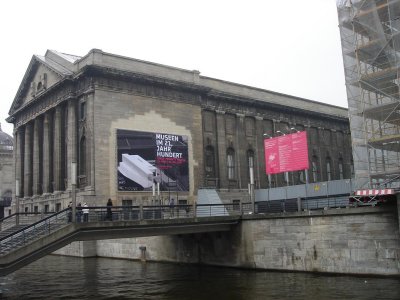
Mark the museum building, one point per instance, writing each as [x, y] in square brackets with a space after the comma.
[6, 171]
[139, 132]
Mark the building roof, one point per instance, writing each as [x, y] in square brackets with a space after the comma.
[53, 65]
[69, 66]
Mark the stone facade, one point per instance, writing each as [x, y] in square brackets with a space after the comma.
[68, 109]
[6, 172]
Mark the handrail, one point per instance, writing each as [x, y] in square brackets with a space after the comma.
[8, 217]
[33, 224]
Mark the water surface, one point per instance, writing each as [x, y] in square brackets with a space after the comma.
[61, 277]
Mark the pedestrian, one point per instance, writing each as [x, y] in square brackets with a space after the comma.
[187, 209]
[85, 211]
[171, 206]
[109, 212]
[69, 213]
[79, 212]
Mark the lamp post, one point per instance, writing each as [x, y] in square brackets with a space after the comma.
[17, 194]
[73, 192]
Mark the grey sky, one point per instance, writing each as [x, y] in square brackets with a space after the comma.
[291, 46]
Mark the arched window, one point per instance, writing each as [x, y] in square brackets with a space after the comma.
[340, 167]
[328, 169]
[314, 168]
[209, 162]
[250, 163]
[230, 163]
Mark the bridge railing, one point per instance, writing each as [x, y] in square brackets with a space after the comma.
[21, 236]
[21, 229]
[22, 219]
[149, 212]
[135, 212]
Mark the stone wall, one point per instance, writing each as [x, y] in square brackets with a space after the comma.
[349, 241]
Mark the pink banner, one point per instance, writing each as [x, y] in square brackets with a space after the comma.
[286, 153]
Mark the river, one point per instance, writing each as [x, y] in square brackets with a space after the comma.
[61, 277]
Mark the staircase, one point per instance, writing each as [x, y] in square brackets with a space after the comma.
[15, 236]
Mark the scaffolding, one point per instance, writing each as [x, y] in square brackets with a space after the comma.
[370, 37]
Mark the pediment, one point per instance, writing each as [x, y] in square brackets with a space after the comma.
[41, 74]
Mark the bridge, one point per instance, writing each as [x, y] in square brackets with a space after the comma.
[26, 237]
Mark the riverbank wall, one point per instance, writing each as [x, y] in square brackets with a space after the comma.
[362, 240]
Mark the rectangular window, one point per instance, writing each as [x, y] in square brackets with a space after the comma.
[230, 124]
[209, 122]
[249, 127]
[82, 111]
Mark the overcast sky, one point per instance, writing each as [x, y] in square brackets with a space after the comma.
[288, 46]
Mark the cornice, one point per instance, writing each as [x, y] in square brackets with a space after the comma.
[269, 105]
[93, 70]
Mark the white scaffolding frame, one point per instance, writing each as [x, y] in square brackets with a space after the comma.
[370, 36]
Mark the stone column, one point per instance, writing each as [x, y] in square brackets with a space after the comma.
[47, 167]
[221, 142]
[71, 138]
[241, 151]
[90, 143]
[275, 177]
[19, 135]
[308, 172]
[321, 145]
[57, 150]
[259, 162]
[36, 180]
[28, 161]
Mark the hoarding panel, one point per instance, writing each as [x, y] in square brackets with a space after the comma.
[286, 153]
[141, 155]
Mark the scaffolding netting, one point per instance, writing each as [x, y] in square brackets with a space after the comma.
[370, 37]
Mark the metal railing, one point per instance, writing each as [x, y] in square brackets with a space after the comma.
[323, 203]
[23, 219]
[22, 236]
[150, 212]
[20, 229]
